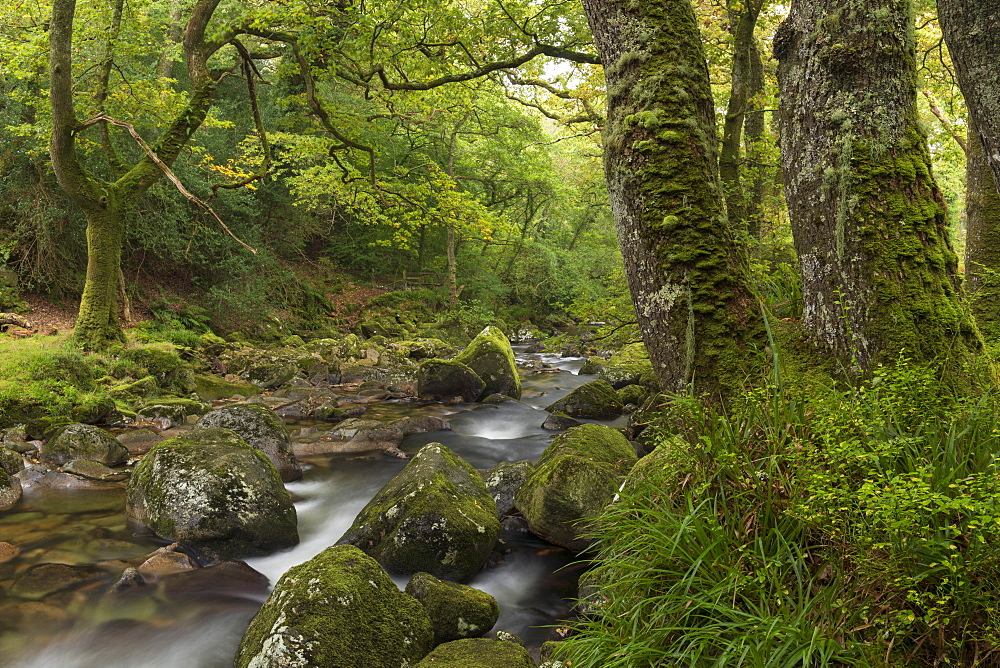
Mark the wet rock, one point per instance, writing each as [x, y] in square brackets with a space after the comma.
[503, 481]
[436, 515]
[422, 349]
[233, 580]
[10, 490]
[40, 580]
[83, 441]
[11, 461]
[329, 413]
[559, 422]
[23, 447]
[174, 409]
[444, 380]
[86, 468]
[130, 578]
[212, 490]
[337, 609]
[596, 400]
[14, 435]
[477, 653]
[260, 428]
[40, 476]
[165, 563]
[351, 427]
[491, 357]
[577, 475]
[35, 616]
[384, 438]
[630, 366]
[421, 423]
[8, 552]
[592, 366]
[456, 610]
[139, 441]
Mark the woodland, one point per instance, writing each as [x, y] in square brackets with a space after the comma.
[786, 214]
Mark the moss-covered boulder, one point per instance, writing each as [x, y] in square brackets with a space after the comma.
[478, 653]
[10, 490]
[456, 610]
[445, 380]
[210, 388]
[83, 441]
[211, 489]
[503, 481]
[262, 429]
[633, 395]
[436, 515]
[577, 475]
[11, 461]
[592, 366]
[337, 609]
[491, 357]
[596, 400]
[422, 349]
[630, 366]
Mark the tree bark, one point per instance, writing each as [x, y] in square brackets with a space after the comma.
[747, 84]
[104, 203]
[982, 243]
[879, 274]
[972, 31]
[686, 274]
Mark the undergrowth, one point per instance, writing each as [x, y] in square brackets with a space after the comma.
[843, 528]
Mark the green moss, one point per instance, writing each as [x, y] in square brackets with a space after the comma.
[456, 610]
[478, 653]
[337, 609]
[491, 357]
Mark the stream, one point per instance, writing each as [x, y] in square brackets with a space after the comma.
[196, 619]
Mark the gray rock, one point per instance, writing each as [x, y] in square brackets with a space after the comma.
[337, 609]
[444, 381]
[83, 441]
[559, 422]
[262, 429]
[139, 441]
[503, 481]
[596, 400]
[11, 461]
[436, 515]
[86, 468]
[209, 488]
[10, 490]
[421, 423]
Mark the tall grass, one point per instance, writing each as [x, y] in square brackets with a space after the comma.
[855, 527]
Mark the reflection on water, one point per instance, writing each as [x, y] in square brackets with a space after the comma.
[198, 622]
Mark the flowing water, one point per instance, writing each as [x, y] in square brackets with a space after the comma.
[196, 619]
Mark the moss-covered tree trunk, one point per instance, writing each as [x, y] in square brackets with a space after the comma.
[106, 203]
[879, 274]
[982, 244]
[698, 318]
[972, 31]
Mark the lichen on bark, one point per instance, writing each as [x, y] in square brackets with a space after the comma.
[685, 271]
[879, 273]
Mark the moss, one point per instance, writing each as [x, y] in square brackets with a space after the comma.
[491, 357]
[337, 609]
[445, 379]
[210, 388]
[456, 610]
[595, 400]
[478, 653]
[435, 516]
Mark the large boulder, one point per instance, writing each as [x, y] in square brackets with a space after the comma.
[596, 400]
[503, 481]
[630, 366]
[456, 610]
[214, 491]
[83, 441]
[478, 653]
[492, 358]
[262, 429]
[10, 490]
[436, 515]
[577, 475]
[444, 380]
[337, 609]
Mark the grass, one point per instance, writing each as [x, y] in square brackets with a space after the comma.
[842, 528]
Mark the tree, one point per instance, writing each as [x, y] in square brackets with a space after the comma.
[970, 30]
[982, 245]
[698, 318]
[106, 202]
[879, 274]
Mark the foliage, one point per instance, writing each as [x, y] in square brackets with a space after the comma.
[852, 527]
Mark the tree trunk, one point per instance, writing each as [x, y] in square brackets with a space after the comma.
[685, 272]
[98, 323]
[972, 31]
[878, 271]
[747, 84]
[982, 243]
[452, 268]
